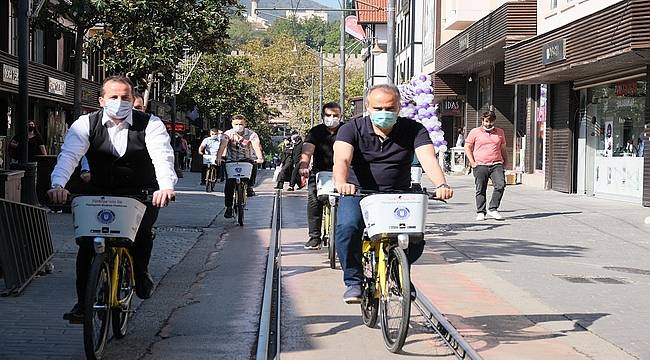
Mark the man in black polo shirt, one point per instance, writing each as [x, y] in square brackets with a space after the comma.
[375, 153]
[319, 143]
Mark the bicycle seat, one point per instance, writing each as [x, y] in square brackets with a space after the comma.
[389, 215]
[114, 217]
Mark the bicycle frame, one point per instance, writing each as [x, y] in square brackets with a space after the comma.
[119, 253]
[380, 248]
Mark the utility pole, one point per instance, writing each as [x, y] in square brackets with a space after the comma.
[28, 192]
[312, 101]
[321, 77]
[390, 46]
[342, 62]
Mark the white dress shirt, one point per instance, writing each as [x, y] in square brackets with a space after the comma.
[156, 139]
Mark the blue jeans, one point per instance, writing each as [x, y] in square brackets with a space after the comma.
[349, 231]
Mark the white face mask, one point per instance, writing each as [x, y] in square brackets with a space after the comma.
[238, 128]
[331, 121]
[117, 109]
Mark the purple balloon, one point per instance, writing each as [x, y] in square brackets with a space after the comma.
[423, 77]
[444, 142]
[428, 91]
[436, 128]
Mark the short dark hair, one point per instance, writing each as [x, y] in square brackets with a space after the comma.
[489, 115]
[138, 96]
[330, 105]
[239, 117]
[117, 78]
[214, 130]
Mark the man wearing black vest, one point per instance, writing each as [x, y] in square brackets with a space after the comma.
[128, 151]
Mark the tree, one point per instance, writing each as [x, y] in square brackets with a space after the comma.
[222, 86]
[313, 32]
[147, 38]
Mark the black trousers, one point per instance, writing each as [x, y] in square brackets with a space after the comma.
[481, 175]
[140, 251]
[295, 176]
[314, 209]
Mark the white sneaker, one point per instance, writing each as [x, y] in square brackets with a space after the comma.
[480, 217]
[494, 214]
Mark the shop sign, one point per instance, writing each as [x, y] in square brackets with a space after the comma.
[463, 43]
[55, 86]
[626, 88]
[89, 96]
[554, 51]
[451, 107]
[9, 74]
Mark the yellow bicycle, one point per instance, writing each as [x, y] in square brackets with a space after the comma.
[109, 224]
[326, 194]
[392, 221]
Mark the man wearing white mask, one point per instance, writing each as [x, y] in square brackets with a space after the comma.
[129, 151]
[238, 144]
[209, 146]
[319, 144]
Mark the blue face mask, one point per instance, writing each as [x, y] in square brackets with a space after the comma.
[383, 119]
[118, 109]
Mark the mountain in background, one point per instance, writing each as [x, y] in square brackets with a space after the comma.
[331, 16]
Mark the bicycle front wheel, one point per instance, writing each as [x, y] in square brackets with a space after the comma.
[97, 310]
[331, 249]
[125, 290]
[395, 304]
[241, 198]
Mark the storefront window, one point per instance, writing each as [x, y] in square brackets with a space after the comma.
[540, 126]
[617, 114]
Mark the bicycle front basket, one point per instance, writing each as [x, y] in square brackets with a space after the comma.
[107, 216]
[239, 170]
[394, 214]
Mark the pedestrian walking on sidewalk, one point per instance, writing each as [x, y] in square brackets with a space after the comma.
[485, 147]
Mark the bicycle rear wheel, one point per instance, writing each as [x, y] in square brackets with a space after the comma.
[325, 225]
[97, 310]
[395, 304]
[126, 286]
[331, 249]
[369, 303]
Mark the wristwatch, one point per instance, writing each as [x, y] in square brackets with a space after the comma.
[446, 186]
[56, 186]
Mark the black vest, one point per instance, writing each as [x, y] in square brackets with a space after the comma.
[130, 173]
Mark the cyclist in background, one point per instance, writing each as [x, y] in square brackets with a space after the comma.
[209, 146]
[128, 151]
[238, 144]
[375, 153]
[319, 143]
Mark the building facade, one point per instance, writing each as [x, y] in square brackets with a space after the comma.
[408, 44]
[594, 77]
[50, 81]
[374, 52]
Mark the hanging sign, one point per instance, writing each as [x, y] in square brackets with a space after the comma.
[554, 51]
[55, 86]
[9, 74]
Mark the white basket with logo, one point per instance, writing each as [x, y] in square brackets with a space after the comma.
[209, 159]
[416, 175]
[107, 216]
[239, 170]
[324, 183]
[388, 215]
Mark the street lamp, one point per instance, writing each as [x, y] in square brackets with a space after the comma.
[376, 49]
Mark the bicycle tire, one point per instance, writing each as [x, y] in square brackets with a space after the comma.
[208, 185]
[331, 249]
[121, 314]
[99, 279]
[241, 193]
[324, 226]
[369, 303]
[397, 287]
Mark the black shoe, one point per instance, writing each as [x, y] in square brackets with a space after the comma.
[228, 213]
[290, 188]
[75, 315]
[250, 192]
[144, 285]
[312, 244]
[202, 183]
[414, 293]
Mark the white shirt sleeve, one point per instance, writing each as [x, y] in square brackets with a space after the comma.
[161, 153]
[75, 145]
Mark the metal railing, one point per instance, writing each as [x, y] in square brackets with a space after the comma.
[447, 332]
[268, 340]
[25, 244]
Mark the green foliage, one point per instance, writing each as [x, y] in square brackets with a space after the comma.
[313, 32]
[222, 86]
[149, 36]
[241, 32]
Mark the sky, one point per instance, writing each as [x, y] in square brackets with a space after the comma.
[330, 3]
